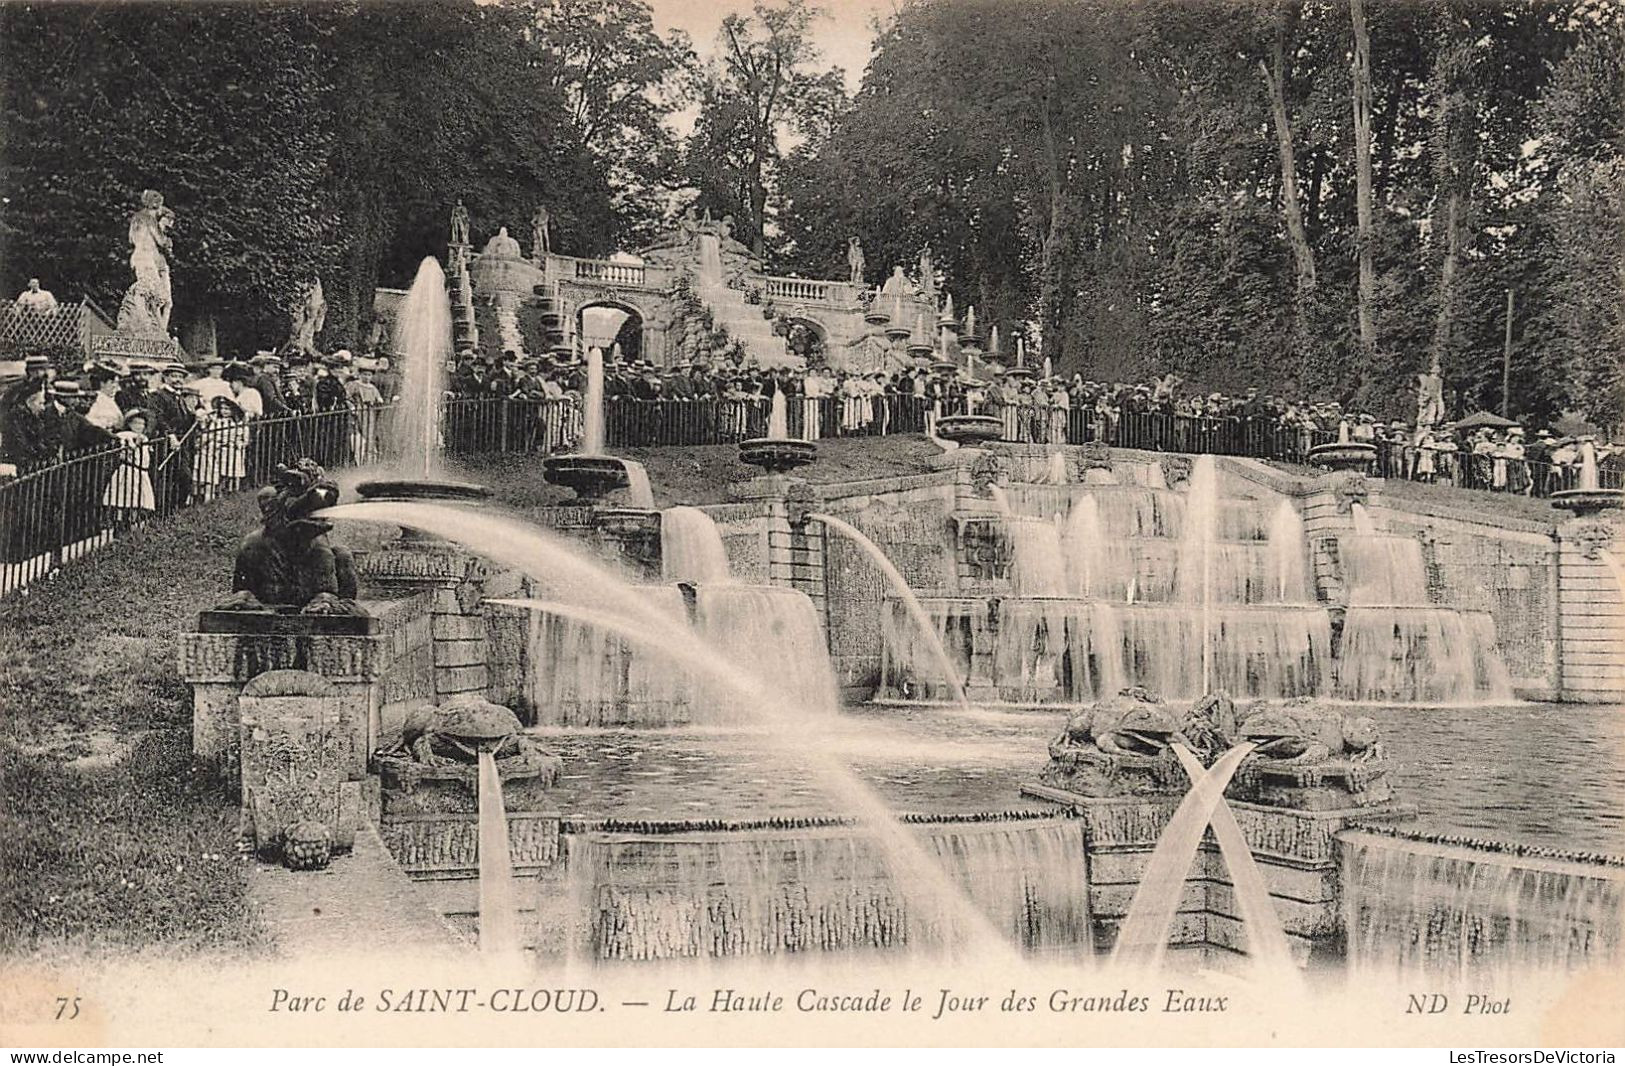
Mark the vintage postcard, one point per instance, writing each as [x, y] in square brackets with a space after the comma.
[813, 522]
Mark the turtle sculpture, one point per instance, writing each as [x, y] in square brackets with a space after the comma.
[1310, 757]
[1122, 746]
[446, 743]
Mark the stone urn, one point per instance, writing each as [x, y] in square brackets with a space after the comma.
[970, 431]
[1352, 455]
[777, 456]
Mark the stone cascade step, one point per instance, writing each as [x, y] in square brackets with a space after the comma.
[744, 323]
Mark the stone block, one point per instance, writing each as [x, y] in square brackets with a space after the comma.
[459, 652]
[303, 754]
[459, 627]
[451, 680]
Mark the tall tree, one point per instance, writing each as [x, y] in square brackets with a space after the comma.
[623, 83]
[764, 87]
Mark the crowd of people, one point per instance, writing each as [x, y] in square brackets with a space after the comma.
[162, 435]
[150, 437]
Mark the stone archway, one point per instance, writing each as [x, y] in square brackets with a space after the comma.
[604, 323]
[805, 338]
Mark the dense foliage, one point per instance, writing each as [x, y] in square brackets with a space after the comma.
[1118, 174]
[1315, 196]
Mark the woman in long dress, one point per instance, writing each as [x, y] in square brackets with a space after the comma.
[129, 494]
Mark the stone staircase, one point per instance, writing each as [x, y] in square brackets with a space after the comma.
[745, 324]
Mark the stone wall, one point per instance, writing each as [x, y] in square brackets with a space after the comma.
[908, 519]
[394, 662]
[1591, 610]
[1505, 567]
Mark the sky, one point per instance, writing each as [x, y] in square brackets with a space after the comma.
[844, 34]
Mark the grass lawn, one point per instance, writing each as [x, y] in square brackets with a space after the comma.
[1491, 504]
[701, 475]
[113, 840]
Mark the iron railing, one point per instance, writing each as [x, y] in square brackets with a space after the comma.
[51, 513]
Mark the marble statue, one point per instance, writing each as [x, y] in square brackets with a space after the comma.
[309, 316]
[1429, 400]
[854, 260]
[928, 275]
[459, 225]
[540, 245]
[147, 303]
[502, 246]
[288, 562]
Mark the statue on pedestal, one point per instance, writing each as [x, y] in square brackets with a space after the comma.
[309, 316]
[147, 303]
[1429, 400]
[854, 260]
[459, 226]
[288, 561]
[540, 246]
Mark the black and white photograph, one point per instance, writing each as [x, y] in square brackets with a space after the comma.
[812, 523]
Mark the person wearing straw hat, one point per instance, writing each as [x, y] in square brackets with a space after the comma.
[129, 494]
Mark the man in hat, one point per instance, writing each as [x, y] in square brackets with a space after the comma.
[33, 427]
[36, 367]
[268, 366]
[73, 402]
[133, 392]
[174, 417]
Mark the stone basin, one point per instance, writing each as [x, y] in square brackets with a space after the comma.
[421, 489]
[776, 455]
[1343, 455]
[591, 476]
[1589, 501]
[970, 430]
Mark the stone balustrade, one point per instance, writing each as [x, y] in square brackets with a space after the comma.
[609, 272]
[804, 290]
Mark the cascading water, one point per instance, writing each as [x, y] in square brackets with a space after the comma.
[766, 892]
[1142, 939]
[1417, 909]
[580, 675]
[422, 346]
[691, 548]
[1113, 599]
[1397, 647]
[774, 633]
[499, 911]
[922, 629]
[623, 609]
[1038, 566]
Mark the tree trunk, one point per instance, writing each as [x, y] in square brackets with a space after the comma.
[1447, 281]
[1292, 211]
[1362, 179]
[1050, 312]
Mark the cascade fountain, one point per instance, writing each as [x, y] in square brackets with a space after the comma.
[591, 472]
[1397, 646]
[422, 346]
[1135, 578]
[1589, 497]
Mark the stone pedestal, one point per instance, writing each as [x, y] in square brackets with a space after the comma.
[385, 658]
[304, 752]
[1591, 608]
[1296, 852]
[452, 581]
[795, 545]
